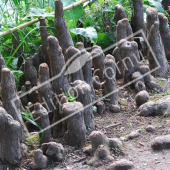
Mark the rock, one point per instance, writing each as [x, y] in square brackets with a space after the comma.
[24, 147]
[87, 150]
[40, 161]
[102, 154]
[141, 97]
[150, 128]
[133, 135]
[121, 165]
[114, 108]
[115, 143]
[54, 151]
[161, 142]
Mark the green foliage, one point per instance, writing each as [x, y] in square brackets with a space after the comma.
[94, 108]
[70, 98]
[29, 117]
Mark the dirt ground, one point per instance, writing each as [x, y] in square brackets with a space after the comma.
[138, 150]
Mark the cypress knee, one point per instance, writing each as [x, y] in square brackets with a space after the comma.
[156, 44]
[10, 131]
[75, 124]
[41, 112]
[98, 61]
[110, 82]
[44, 35]
[30, 72]
[165, 33]
[83, 92]
[63, 33]
[123, 30]
[60, 84]
[75, 67]
[119, 13]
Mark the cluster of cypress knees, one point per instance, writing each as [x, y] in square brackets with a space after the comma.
[59, 68]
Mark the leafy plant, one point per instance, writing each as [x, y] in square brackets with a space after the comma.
[70, 98]
[29, 117]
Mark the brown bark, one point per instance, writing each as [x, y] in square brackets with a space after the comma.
[75, 124]
[149, 79]
[119, 13]
[63, 33]
[155, 108]
[36, 61]
[123, 30]
[86, 63]
[33, 95]
[19, 52]
[60, 84]
[98, 61]
[131, 58]
[83, 92]
[54, 151]
[2, 63]
[40, 160]
[96, 83]
[30, 72]
[44, 35]
[41, 112]
[24, 99]
[152, 17]
[165, 33]
[10, 131]
[45, 92]
[100, 107]
[75, 66]
[8, 93]
[156, 44]
[138, 16]
[110, 80]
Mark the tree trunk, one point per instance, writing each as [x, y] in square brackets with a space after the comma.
[63, 33]
[10, 131]
[75, 124]
[138, 17]
[2, 63]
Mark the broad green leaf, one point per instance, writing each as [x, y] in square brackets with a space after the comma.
[37, 12]
[155, 4]
[89, 32]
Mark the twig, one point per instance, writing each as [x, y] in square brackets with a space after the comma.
[81, 159]
[37, 19]
[113, 125]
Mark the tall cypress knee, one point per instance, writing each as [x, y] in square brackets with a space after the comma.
[63, 33]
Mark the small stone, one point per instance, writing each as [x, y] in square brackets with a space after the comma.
[161, 142]
[114, 108]
[24, 147]
[150, 128]
[87, 150]
[121, 165]
[123, 138]
[115, 143]
[133, 135]
[141, 97]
